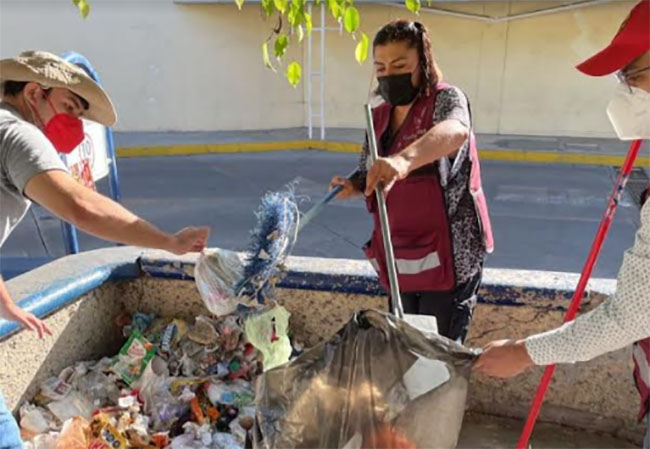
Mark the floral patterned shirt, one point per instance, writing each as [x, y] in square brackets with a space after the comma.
[619, 321]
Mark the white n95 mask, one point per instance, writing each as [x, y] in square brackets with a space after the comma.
[629, 113]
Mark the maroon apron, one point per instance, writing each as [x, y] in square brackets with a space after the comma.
[417, 210]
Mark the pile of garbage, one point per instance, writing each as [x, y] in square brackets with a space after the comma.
[172, 385]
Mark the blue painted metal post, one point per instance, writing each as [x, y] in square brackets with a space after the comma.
[70, 239]
[70, 232]
[113, 179]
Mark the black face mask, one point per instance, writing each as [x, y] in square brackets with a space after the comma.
[397, 90]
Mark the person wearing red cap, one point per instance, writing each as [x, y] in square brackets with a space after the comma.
[628, 56]
[624, 318]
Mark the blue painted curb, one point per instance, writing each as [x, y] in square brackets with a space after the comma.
[62, 292]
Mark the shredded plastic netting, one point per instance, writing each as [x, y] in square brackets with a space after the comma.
[225, 283]
[271, 242]
[377, 383]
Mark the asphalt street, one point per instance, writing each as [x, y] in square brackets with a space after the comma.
[544, 215]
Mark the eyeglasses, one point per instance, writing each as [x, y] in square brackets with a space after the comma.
[624, 76]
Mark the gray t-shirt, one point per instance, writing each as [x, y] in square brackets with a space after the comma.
[24, 153]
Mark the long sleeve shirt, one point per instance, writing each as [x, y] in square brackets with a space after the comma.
[619, 321]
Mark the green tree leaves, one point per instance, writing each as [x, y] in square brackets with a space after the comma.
[294, 22]
[268, 6]
[335, 9]
[83, 6]
[361, 51]
[413, 6]
[294, 73]
[300, 22]
[265, 56]
[351, 19]
[281, 5]
[281, 45]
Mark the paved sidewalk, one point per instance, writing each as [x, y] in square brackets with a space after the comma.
[486, 141]
[492, 142]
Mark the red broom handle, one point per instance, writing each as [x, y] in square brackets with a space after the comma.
[588, 268]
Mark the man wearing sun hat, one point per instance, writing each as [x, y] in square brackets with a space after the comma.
[623, 318]
[43, 98]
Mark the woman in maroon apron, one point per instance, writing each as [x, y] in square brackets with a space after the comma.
[429, 166]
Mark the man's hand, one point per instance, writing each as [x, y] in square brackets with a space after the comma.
[14, 313]
[504, 358]
[189, 239]
[387, 171]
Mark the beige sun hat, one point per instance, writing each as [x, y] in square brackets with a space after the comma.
[51, 71]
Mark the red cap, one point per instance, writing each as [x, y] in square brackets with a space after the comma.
[631, 41]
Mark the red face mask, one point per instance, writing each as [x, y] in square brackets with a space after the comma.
[64, 131]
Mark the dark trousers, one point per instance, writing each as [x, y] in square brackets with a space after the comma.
[453, 310]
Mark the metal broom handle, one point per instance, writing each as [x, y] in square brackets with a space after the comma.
[396, 299]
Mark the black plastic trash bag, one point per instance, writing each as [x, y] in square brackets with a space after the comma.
[377, 383]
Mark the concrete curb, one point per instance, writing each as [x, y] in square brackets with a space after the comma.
[48, 288]
[510, 155]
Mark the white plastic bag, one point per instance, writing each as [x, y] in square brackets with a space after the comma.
[34, 419]
[216, 273]
[74, 404]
